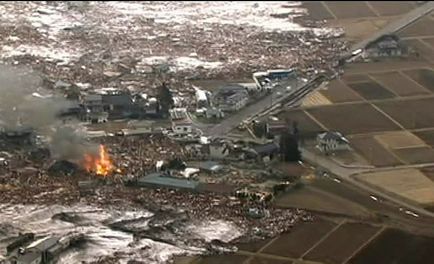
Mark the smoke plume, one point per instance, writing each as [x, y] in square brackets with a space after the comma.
[25, 104]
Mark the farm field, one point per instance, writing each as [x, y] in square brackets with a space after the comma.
[411, 113]
[373, 151]
[411, 184]
[422, 27]
[371, 90]
[333, 251]
[399, 84]
[424, 77]
[352, 119]
[305, 124]
[401, 248]
[338, 92]
[300, 239]
[349, 9]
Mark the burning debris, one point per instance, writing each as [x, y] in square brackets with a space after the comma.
[99, 164]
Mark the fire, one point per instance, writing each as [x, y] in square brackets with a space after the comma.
[100, 164]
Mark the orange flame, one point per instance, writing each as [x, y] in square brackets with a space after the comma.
[100, 164]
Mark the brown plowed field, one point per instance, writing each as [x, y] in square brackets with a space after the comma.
[424, 77]
[306, 125]
[412, 114]
[399, 84]
[373, 151]
[350, 9]
[371, 90]
[416, 155]
[423, 27]
[352, 118]
[339, 92]
[388, 8]
[427, 136]
[300, 239]
[341, 244]
[397, 247]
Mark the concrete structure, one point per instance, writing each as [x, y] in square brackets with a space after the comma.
[230, 98]
[331, 141]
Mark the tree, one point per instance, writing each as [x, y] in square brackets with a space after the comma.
[289, 148]
[165, 98]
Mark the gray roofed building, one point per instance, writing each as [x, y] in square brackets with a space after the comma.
[44, 244]
[29, 257]
[266, 149]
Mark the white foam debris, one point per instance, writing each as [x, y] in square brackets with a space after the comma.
[179, 63]
[40, 51]
[184, 63]
[249, 13]
[218, 229]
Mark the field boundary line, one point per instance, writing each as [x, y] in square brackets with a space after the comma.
[323, 238]
[247, 261]
[329, 10]
[372, 9]
[364, 244]
[315, 120]
[411, 79]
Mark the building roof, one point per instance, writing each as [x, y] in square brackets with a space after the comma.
[93, 97]
[266, 148]
[329, 135]
[28, 257]
[183, 122]
[201, 95]
[117, 99]
[160, 180]
[44, 243]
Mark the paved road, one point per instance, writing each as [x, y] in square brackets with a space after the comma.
[396, 25]
[346, 173]
[233, 121]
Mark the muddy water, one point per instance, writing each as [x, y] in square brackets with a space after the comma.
[130, 234]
